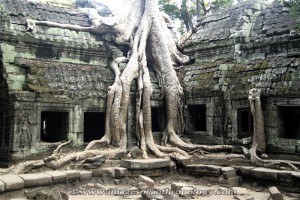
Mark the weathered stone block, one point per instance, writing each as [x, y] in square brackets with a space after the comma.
[284, 176]
[275, 194]
[240, 191]
[33, 180]
[256, 173]
[108, 172]
[97, 172]
[72, 175]
[57, 176]
[148, 181]
[12, 182]
[233, 182]
[142, 186]
[269, 174]
[228, 172]
[177, 186]
[120, 172]
[145, 164]
[206, 170]
[85, 175]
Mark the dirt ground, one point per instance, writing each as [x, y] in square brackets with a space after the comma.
[200, 185]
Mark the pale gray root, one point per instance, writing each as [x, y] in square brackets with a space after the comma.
[277, 164]
[31, 26]
[259, 140]
[259, 137]
[185, 37]
[23, 167]
[56, 153]
[106, 139]
[80, 156]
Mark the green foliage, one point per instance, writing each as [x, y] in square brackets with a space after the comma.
[218, 4]
[295, 11]
[170, 8]
[295, 8]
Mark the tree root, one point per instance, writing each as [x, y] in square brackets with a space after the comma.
[277, 164]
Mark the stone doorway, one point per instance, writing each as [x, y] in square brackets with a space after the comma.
[94, 126]
[198, 117]
[245, 123]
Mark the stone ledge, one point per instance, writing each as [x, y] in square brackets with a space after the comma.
[85, 175]
[145, 164]
[12, 182]
[72, 175]
[57, 176]
[200, 169]
[33, 180]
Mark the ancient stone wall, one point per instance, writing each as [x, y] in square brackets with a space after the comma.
[246, 46]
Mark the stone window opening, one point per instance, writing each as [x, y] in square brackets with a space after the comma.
[198, 117]
[94, 126]
[245, 123]
[289, 122]
[54, 126]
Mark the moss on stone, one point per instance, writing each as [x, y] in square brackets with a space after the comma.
[264, 65]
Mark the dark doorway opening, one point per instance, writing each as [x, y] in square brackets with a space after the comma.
[94, 126]
[54, 126]
[290, 122]
[245, 123]
[156, 119]
[198, 117]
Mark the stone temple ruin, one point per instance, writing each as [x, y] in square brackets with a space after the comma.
[54, 82]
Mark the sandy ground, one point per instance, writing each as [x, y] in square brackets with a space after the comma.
[201, 185]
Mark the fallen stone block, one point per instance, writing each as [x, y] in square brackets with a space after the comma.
[228, 172]
[33, 180]
[12, 182]
[240, 191]
[177, 186]
[233, 182]
[117, 181]
[142, 186]
[145, 163]
[275, 194]
[85, 175]
[120, 172]
[186, 191]
[57, 176]
[109, 172]
[100, 186]
[148, 181]
[230, 182]
[72, 175]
